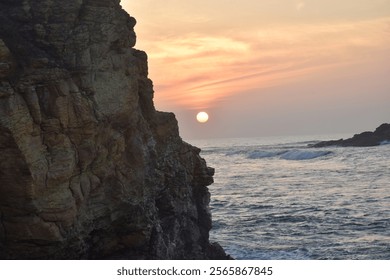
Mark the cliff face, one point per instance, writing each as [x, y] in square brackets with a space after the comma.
[88, 167]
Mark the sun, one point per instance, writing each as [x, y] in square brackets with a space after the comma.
[202, 117]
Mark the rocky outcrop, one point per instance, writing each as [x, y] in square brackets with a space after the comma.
[365, 139]
[88, 168]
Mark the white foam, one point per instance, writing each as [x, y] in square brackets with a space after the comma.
[385, 142]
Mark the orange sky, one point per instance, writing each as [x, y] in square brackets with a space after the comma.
[282, 66]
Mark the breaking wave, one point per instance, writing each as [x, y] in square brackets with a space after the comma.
[286, 154]
[284, 200]
[264, 154]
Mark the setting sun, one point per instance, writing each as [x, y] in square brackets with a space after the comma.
[281, 66]
[202, 117]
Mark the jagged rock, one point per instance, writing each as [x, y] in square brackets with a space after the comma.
[364, 139]
[88, 167]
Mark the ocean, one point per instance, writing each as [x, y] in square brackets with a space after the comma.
[277, 198]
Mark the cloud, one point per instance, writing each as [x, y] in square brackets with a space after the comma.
[300, 6]
[195, 70]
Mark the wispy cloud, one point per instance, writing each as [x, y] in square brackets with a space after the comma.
[196, 70]
[300, 6]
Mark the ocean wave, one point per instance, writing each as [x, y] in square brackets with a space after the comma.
[264, 154]
[288, 154]
[304, 155]
[235, 152]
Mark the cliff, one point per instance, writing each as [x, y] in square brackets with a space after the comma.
[88, 168]
[364, 139]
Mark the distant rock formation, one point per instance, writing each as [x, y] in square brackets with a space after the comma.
[88, 168]
[365, 139]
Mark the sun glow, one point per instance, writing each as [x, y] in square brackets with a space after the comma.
[269, 62]
[202, 117]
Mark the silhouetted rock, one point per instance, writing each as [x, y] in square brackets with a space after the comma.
[88, 167]
[365, 139]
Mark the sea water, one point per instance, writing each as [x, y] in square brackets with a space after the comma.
[277, 198]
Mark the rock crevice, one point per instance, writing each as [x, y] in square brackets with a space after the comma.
[88, 168]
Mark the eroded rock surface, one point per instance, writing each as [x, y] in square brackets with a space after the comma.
[88, 167]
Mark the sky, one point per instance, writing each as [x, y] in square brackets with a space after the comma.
[268, 67]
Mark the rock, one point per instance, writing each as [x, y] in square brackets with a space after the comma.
[364, 139]
[88, 168]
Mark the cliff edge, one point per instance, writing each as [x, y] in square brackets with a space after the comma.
[88, 168]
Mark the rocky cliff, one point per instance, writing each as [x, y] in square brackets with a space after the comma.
[88, 167]
[364, 139]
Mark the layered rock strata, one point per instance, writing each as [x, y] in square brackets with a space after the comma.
[88, 168]
[365, 139]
